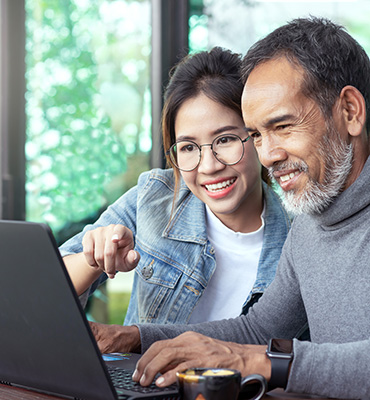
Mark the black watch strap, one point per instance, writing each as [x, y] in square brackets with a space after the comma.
[279, 372]
[280, 353]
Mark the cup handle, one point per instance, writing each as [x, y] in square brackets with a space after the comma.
[257, 379]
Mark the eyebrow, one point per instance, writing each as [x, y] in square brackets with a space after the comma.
[273, 121]
[214, 133]
[277, 120]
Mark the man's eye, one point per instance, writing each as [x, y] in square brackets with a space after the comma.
[255, 135]
[282, 127]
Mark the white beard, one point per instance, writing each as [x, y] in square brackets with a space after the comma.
[316, 197]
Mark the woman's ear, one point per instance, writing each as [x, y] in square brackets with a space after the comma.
[353, 109]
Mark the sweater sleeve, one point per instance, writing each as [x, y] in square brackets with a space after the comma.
[331, 370]
[279, 313]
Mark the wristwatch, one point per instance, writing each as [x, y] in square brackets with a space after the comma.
[280, 353]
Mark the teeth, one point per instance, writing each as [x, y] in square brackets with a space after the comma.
[285, 178]
[220, 186]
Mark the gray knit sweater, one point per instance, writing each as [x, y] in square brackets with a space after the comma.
[324, 279]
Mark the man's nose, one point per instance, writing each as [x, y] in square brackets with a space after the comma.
[208, 162]
[270, 152]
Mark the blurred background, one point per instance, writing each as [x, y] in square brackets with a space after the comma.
[81, 96]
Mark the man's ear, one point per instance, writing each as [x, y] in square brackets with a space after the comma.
[354, 109]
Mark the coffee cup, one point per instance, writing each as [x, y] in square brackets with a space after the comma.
[219, 384]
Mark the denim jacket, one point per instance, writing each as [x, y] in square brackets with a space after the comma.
[177, 260]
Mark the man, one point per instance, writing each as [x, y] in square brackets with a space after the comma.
[305, 102]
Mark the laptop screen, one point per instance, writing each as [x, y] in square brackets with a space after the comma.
[45, 340]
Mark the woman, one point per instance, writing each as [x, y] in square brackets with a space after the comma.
[205, 236]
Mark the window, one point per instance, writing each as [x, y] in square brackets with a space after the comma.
[237, 24]
[88, 130]
[91, 107]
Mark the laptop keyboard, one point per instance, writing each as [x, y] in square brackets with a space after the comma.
[122, 379]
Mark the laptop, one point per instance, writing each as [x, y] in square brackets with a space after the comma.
[46, 344]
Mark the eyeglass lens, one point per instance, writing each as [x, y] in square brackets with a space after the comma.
[227, 149]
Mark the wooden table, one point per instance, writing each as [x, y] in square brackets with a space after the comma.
[12, 393]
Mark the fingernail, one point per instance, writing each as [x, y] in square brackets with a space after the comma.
[135, 375]
[142, 379]
[135, 255]
[159, 381]
[115, 237]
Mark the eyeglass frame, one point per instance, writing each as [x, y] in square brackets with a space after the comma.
[199, 146]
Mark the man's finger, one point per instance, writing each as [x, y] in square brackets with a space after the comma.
[169, 377]
[158, 359]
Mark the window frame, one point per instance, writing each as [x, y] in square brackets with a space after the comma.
[12, 110]
[169, 44]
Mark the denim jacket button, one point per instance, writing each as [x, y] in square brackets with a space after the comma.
[212, 250]
[147, 271]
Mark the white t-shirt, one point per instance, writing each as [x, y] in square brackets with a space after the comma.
[237, 255]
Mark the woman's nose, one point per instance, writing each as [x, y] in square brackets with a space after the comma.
[208, 162]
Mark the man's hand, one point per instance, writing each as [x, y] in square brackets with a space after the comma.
[192, 350]
[110, 249]
[116, 338]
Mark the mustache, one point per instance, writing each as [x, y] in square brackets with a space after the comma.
[301, 166]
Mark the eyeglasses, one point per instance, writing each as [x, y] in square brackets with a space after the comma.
[227, 149]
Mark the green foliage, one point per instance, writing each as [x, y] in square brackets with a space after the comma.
[87, 104]
[117, 307]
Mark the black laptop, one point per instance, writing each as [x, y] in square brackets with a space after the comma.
[46, 343]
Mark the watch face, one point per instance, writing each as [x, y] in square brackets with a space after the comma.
[281, 346]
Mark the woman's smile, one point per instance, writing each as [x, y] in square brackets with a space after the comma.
[220, 188]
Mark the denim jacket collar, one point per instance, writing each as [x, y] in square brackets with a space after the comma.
[273, 239]
[188, 223]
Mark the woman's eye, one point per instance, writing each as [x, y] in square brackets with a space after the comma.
[226, 139]
[222, 140]
[187, 148]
